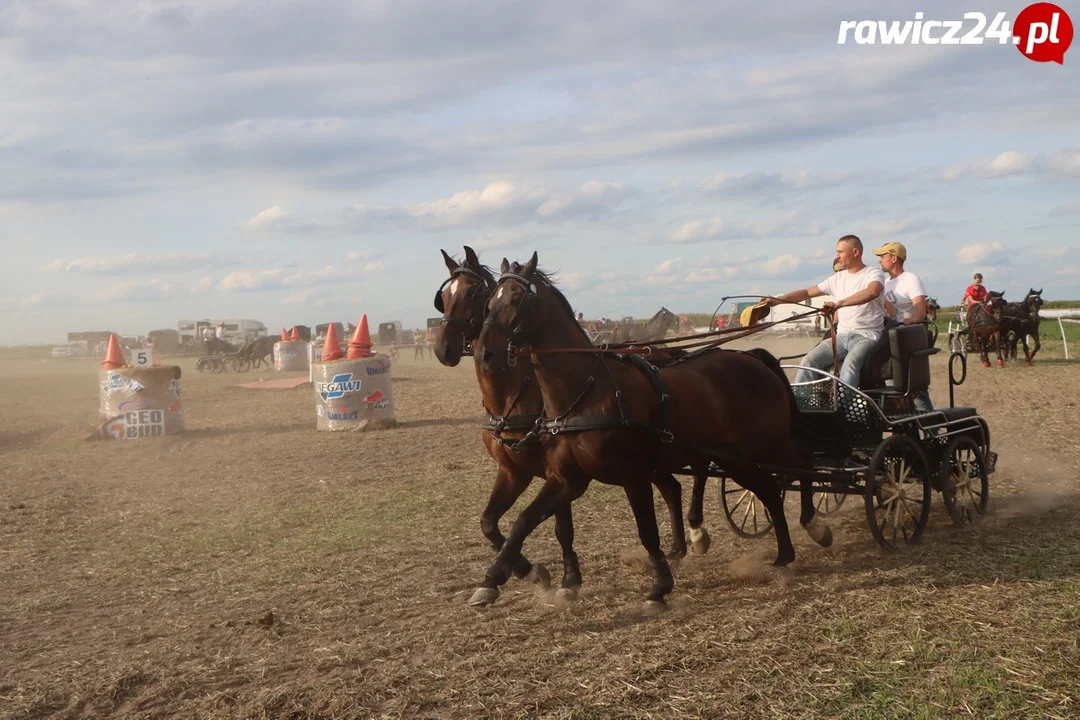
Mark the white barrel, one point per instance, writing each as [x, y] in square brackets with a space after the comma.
[138, 403]
[353, 394]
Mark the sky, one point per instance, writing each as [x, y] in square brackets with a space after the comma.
[304, 162]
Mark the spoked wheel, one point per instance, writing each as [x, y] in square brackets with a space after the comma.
[965, 485]
[219, 365]
[746, 514]
[898, 492]
[243, 365]
[205, 365]
[231, 364]
[827, 503]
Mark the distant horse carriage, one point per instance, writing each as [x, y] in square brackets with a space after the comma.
[391, 335]
[604, 413]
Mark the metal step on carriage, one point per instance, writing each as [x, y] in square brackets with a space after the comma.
[869, 442]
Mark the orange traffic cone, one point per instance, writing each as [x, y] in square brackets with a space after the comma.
[295, 337]
[114, 359]
[360, 345]
[284, 335]
[331, 349]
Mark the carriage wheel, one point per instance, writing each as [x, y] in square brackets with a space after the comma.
[231, 364]
[965, 486]
[898, 492]
[746, 514]
[827, 503]
[204, 365]
[219, 365]
[243, 365]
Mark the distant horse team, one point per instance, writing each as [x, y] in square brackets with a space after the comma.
[1000, 326]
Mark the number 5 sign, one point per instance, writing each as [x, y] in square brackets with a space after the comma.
[142, 357]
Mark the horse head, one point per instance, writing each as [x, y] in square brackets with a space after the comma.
[461, 300]
[1033, 302]
[525, 308]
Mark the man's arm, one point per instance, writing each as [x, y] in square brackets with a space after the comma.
[891, 309]
[796, 296]
[918, 310]
[862, 297]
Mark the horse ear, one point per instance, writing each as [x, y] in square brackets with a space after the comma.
[505, 267]
[451, 263]
[470, 257]
[530, 267]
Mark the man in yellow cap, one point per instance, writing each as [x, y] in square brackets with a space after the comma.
[905, 300]
[859, 312]
[905, 296]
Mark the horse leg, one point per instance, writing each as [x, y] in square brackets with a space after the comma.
[641, 502]
[997, 347]
[699, 536]
[554, 493]
[507, 489]
[767, 489]
[564, 533]
[815, 527]
[671, 491]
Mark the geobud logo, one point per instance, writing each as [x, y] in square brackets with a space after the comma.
[1042, 32]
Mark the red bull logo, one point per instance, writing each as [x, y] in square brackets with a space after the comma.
[375, 397]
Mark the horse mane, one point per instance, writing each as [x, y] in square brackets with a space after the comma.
[547, 278]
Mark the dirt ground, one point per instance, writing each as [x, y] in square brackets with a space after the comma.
[256, 568]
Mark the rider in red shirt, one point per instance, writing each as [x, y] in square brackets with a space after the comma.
[975, 292]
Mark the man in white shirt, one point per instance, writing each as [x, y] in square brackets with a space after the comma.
[221, 331]
[859, 311]
[905, 300]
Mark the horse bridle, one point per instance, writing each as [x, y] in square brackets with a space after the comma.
[511, 333]
[441, 306]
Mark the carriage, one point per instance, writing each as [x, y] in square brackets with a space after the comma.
[868, 442]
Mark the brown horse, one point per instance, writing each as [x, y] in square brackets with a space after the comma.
[1020, 320]
[655, 329]
[607, 419]
[513, 403]
[984, 326]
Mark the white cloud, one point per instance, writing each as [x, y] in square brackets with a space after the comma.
[277, 220]
[1063, 163]
[26, 302]
[668, 266]
[374, 267]
[994, 253]
[141, 290]
[205, 285]
[251, 280]
[749, 183]
[782, 266]
[785, 225]
[133, 263]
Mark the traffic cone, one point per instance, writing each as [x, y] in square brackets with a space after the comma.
[295, 337]
[284, 335]
[331, 349]
[360, 345]
[114, 359]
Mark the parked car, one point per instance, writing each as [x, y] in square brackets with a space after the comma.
[70, 350]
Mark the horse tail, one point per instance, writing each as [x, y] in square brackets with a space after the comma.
[798, 428]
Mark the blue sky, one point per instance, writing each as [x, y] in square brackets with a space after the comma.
[299, 162]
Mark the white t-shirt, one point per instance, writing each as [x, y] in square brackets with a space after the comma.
[867, 319]
[901, 291]
[220, 332]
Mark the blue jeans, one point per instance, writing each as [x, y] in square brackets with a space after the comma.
[851, 350]
[921, 400]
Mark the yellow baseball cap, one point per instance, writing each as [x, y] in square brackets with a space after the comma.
[895, 248]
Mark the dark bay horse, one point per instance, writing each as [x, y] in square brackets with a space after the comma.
[655, 329]
[512, 400]
[1019, 320]
[984, 326]
[607, 419]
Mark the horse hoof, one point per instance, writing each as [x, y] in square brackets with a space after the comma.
[986, 364]
[700, 540]
[566, 595]
[540, 575]
[483, 597]
[826, 538]
[1028, 363]
[654, 607]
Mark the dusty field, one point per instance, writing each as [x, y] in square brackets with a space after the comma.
[254, 568]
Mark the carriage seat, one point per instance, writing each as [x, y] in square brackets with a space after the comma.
[908, 362]
[958, 413]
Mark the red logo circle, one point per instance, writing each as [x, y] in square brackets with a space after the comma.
[1043, 32]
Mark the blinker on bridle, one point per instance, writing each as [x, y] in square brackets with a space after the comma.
[441, 306]
[511, 333]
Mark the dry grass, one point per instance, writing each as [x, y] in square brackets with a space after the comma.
[255, 568]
